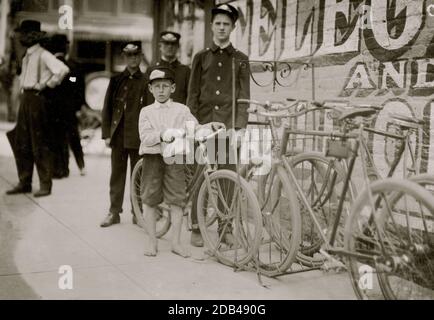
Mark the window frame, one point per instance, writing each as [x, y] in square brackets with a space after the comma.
[121, 12]
[84, 9]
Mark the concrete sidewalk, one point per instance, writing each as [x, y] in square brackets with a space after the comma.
[37, 236]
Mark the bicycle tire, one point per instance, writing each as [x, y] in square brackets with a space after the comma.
[246, 245]
[163, 216]
[281, 235]
[315, 165]
[361, 235]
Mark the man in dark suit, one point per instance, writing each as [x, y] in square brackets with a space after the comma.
[120, 116]
[169, 47]
[65, 100]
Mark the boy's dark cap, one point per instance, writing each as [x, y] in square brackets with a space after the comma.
[160, 73]
[170, 37]
[226, 9]
[133, 47]
[28, 26]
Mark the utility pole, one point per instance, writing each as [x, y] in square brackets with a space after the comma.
[4, 12]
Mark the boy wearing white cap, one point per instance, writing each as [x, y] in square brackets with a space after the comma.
[161, 181]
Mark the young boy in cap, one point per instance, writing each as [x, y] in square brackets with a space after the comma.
[169, 47]
[210, 88]
[161, 181]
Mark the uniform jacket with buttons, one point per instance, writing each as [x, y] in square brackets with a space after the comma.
[210, 87]
[123, 102]
[182, 77]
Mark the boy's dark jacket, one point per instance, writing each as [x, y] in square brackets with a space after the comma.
[113, 109]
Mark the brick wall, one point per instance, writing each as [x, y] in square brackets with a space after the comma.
[363, 52]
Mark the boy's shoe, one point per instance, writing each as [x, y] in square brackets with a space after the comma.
[112, 218]
[196, 238]
[82, 172]
[42, 193]
[134, 219]
[19, 189]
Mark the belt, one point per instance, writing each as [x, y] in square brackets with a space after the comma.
[31, 90]
[34, 91]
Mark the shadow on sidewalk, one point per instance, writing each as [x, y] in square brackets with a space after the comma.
[12, 284]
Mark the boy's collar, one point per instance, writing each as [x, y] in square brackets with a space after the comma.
[163, 105]
[136, 74]
[229, 48]
[33, 48]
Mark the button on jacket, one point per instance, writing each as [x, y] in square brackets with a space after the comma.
[182, 77]
[123, 101]
[41, 69]
[210, 87]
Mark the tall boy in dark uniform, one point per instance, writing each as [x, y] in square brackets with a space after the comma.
[210, 87]
[120, 116]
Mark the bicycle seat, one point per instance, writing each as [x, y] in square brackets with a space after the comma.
[352, 113]
[406, 121]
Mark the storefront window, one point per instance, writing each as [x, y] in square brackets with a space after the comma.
[137, 7]
[35, 5]
[187, 18]
[104, 6]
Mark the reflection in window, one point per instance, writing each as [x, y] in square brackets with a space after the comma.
[34, 5]
[137, 6]
[101, 5]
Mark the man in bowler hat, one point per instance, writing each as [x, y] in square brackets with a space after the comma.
[40, 70]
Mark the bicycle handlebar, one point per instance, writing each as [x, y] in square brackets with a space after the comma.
[205, 138]
[269, 105]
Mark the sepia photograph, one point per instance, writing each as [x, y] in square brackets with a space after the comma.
[218, 155]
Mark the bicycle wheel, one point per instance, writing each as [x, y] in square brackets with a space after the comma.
[282, 225]
[231, 205]
[321, 180]
[396, 242]
[163, 215]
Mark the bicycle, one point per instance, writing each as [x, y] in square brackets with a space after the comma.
[387, 189]
[217, 210]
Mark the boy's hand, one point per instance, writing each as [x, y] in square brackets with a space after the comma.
[215, 126]
[107, 142]
[170, 135]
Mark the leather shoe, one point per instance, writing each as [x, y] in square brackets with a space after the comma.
[19, 189]
[134, 219]
[42, 193]
[111, 219]
[196, 238]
